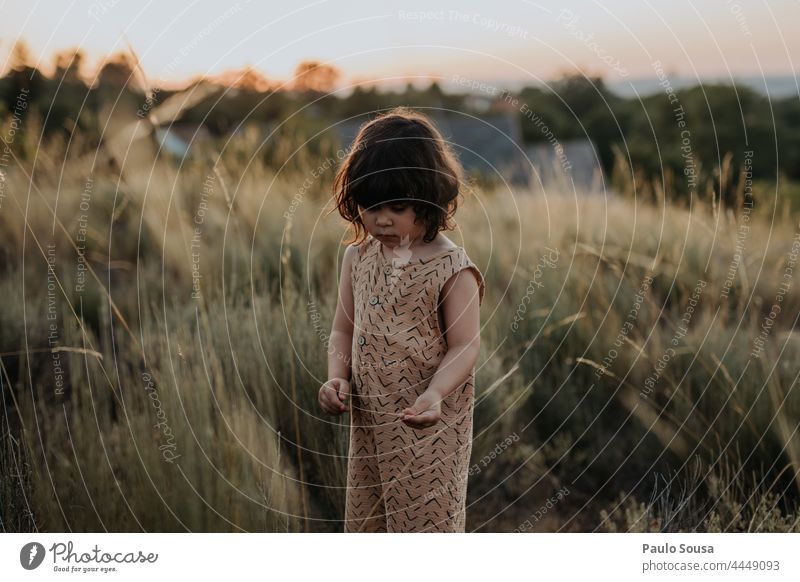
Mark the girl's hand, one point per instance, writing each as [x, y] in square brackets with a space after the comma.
[427, 411]
[332, 395]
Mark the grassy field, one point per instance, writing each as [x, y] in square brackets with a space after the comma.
[134, 403]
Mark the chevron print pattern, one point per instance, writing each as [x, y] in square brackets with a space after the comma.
[399, 478]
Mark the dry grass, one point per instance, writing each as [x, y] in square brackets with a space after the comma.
[237, 372]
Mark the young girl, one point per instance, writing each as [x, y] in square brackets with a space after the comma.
[405, 335]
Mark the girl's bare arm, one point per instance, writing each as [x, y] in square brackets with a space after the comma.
[341, 340]
[461, 311]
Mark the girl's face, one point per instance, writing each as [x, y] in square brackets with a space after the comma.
[392, 223]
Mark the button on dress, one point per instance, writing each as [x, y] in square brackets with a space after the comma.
[401, 478]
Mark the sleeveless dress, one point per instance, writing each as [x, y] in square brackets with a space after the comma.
[401, 478]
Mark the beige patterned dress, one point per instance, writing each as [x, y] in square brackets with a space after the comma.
[400, 478]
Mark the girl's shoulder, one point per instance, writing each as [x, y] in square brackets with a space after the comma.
[460, 261]
[360, 249]
[441, 246]
[443, 264]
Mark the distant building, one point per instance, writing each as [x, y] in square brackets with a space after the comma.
[567, 162]
[490, 145]
[178, 138]
[479, 103]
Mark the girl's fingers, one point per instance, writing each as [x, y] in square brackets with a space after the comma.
[333, 410]
[332, 397]
[343, 393]
[329, 401]
[323, 402]
[421, 420]
[323, 397]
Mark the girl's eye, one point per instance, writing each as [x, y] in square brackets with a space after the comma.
[399, 208]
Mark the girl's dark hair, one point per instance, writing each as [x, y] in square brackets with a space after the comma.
[400, 157]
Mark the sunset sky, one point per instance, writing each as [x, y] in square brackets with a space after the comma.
[513, 40]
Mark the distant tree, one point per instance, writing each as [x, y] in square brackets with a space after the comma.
[246, 79]
[23, 77]
[20, 57]
[431, 96]
[118, 70]
[435, 90]
[788, 113]
[315, 76]
[547, 107]
[582, 94]
[592, 111]
[68, 65]
[362, 100]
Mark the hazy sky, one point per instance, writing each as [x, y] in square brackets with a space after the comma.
[500, 40]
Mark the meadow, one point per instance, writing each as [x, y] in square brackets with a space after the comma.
[163, 330]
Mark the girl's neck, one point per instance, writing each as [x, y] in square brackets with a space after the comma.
[418, 242]
[421, 249]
